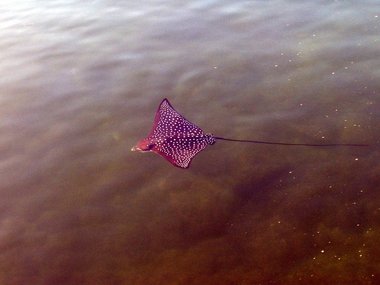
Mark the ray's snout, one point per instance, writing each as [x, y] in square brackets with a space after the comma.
[144, 145]
[135, 148]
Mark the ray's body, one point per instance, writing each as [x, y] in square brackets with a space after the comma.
[179, 141]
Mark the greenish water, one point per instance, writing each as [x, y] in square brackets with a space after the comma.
[79, 85]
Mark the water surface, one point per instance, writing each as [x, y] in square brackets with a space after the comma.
[79, 85]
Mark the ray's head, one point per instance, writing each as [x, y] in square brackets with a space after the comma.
[144, 145]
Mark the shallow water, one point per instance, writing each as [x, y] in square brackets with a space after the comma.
[79, 85]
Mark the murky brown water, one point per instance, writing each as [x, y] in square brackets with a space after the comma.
[79, 85]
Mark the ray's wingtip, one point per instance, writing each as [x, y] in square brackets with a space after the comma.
[166, 100]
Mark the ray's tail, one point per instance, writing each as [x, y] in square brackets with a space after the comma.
[293, 144]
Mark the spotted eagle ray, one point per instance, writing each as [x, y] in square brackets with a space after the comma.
[178, 140]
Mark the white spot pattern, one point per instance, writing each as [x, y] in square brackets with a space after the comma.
[175, 138]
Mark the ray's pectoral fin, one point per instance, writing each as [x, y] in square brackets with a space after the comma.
[181, 151]
[180, 158]
[180, 161]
